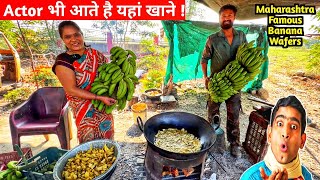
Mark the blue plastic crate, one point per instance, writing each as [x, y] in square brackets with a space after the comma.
[43, 159]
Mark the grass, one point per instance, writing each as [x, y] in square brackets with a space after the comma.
[288, 61]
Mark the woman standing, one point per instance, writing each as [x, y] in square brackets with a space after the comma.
[76, 70]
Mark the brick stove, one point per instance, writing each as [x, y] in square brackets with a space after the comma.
[156, 164]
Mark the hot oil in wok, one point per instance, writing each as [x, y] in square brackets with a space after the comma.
[178, 141]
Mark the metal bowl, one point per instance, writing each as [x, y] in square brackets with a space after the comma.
[58, 168]
[153, 97]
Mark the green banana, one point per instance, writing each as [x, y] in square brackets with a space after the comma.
[133, 78]
[96, 103]
[103, 75]
[116, 74]
[117, 54]
[10, 176]
[130, 84]
[107, 82]
[110, 65]
[111, 89]
[120, 61]
[130, 95]
[109, 109]
[18, 174]
[123, 54]
[131, 53]
[122, 103]
[125, 66]
[255, 67]
[101, 105]
[94, 88]
[101, 91]
[132, 61]
[5, 173]
[96, 83]
[12, 164]
[114, 49]
[113, 69]
[120, 88]
[118, 78]
[107, 77]
[103, 66]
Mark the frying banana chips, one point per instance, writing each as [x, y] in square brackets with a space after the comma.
[89, 164]
[178, 141]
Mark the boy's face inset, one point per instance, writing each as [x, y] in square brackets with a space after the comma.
[285, 134]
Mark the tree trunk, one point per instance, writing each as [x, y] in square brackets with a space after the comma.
[124, 34]
[26, 43]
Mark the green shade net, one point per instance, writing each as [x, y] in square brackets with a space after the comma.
[187, 40]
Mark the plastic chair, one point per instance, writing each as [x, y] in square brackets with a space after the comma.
[43, 113]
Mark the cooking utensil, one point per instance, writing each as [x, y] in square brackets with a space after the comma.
[194, 124]
[58, 168]
[156, 97]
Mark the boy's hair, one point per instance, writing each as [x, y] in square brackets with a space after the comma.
[228, 6]
[294, 102]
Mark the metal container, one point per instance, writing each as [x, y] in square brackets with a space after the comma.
[58, 168]
[156, 97]
[192, 123]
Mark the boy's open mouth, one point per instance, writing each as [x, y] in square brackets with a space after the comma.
[283, 147]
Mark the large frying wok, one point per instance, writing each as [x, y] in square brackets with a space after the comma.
[194, 124]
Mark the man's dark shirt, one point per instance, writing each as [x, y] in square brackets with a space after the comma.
[219, 51]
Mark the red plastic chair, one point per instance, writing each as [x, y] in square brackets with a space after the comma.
[42, 113]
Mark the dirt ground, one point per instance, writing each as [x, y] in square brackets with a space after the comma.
[193, 100]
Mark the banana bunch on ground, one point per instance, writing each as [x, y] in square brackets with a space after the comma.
[237, 73]
[116, 79]
[12, 173]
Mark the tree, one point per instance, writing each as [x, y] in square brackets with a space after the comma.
[154, 63]
[22, 34]
[192, 10]
[9, 28]
[51, 32]
[316, 17]
[314, 61]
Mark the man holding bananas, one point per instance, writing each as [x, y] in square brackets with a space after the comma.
[221, 48]
[76, 69]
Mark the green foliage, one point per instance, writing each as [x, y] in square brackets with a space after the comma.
[314, 62]
[156, 58]
[317, 17]
[153, 79]
[9, 28]
[154, 63]
[193, 10]
[17, 95]
[42, 76]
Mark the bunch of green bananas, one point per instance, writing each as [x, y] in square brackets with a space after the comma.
[220, 87]
[12, 173]
[237, 74]
[116, 79]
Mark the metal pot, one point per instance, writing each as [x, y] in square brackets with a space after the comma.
[157, 97]
[194, 124]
